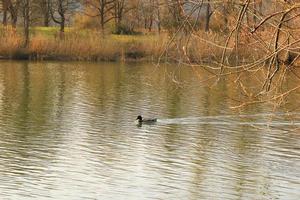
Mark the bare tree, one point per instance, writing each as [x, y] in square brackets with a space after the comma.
[10, 7]
[60, 10]
[176, 11]
[270, 37]
[5, 10]
[158, 15]
[101, 9]
[26, 20]
[148, 12]
[121, 8]
[44, 7]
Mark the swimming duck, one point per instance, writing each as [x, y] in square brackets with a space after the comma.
[145, 121]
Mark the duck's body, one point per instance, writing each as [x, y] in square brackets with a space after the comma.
[140, 120]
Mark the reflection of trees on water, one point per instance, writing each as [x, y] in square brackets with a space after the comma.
[52, 110]
[61, 93]
[27, 126]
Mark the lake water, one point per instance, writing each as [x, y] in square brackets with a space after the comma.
[67, 131]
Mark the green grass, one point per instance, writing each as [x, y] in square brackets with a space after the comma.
[48, 31]
[128, 38]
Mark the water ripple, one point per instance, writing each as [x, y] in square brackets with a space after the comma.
[72, 136]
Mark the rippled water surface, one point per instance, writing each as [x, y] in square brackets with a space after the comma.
[67, 131]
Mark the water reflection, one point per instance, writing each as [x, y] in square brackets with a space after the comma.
[67, 132]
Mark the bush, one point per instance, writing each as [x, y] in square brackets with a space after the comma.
[125, 29]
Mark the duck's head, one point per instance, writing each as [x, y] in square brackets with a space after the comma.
[139, 118]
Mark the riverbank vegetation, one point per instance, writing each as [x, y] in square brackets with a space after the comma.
[250, 38]
[228, 32]
[79, 45]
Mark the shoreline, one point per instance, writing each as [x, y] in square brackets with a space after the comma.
[31, 57]
[89, 47]
[70, 59]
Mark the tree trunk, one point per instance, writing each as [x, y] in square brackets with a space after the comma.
[4, 22]
[208, 15]
[9, 7]
[61, 12]
[118, 14]
[158, 18]
[14, 20]
[5, 9]
[26, 22]
[46, 12]
[62, 25]
[102, 22]
[150, 23]
[46, 20]
[14, 12]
